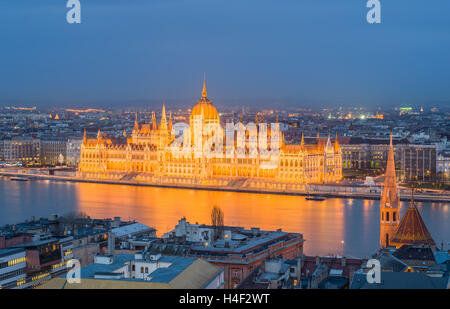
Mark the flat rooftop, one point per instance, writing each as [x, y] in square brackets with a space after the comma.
[10, 251]
[160, 275]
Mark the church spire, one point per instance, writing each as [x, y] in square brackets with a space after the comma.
[204, 93]
[390, 192]
[84, 137]
[390, 201]
[302, 143]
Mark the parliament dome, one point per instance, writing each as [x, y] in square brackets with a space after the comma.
[205, 107]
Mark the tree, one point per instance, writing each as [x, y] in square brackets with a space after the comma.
[217, 221]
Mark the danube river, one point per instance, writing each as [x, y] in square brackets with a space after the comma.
[333, 226]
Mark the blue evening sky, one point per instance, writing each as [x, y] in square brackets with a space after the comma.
[299, 53]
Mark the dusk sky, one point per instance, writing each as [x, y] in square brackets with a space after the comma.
[296, 53]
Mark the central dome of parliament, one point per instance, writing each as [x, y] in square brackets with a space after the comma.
[205, 107]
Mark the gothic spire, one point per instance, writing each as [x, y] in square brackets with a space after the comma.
[390, 191]
[163, 123]
[336, 144]
[154, 126]
[328, 145]
[204, 93]
[136, 124]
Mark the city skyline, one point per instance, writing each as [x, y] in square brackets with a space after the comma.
[300, 54]
[242, 146]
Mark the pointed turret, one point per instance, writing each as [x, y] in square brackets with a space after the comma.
[328, 147]
[99, 135]
[170, 122]
[256, 118]
[337, 147]
[84, 137]
[163, 123]
[302, 143]
[124, 133]
[262, 118]
[154, 125]
[390, 201]
[318, 137]
[136, 124]
[276, 119]
[241, 118]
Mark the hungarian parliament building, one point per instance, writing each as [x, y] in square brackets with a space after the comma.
[207, 154]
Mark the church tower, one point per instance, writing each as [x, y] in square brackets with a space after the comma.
[390, 202]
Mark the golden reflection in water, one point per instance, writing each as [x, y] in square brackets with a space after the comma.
[322, 223]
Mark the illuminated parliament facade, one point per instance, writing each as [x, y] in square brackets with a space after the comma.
[209, 154]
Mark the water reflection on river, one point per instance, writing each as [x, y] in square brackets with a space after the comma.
[324, 224]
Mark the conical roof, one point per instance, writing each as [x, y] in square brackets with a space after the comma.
[412, 230]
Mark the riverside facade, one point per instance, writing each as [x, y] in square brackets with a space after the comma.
[208, 154]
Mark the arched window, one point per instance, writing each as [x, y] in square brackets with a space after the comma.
[394, 215]
[387, 217]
